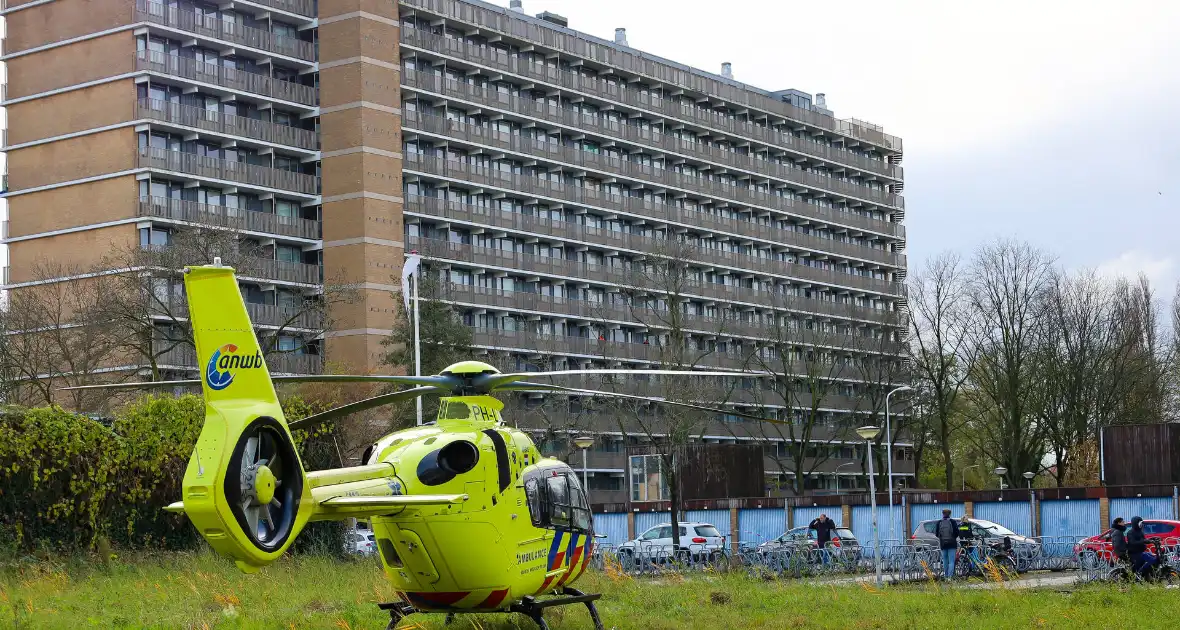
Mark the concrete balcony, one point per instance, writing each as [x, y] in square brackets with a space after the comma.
[306, 8]
[185, 358]
[227, 124]
[598, 312]
[650, 101]
[442, 209]
[230, 78]
[741, 263]
[213, 27]
[234, 218]
[240, 172]
[282, 271]
[622, 277]
[265, 315]
[750, 166]
[591, 197]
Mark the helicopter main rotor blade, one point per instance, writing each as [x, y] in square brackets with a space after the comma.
[436, 381]
[519, 386]
[361, 405]
[496, 381]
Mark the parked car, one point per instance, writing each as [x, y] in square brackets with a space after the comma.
[700, 541]
[361, 542]
[981, 529]
[1167, 531]
[804, 537]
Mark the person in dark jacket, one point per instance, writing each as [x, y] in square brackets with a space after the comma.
[1118, 539]
[947, 531]
[823, 527]
[1136, 545]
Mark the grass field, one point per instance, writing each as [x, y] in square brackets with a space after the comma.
[202, 591]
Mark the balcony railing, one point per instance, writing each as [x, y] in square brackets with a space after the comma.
[283, 271]
[241, 172]
[232, 78]
[746, 263]
[215, 27]
[287, 318]
[228, 124]
[772, 236]
[305, 8]
[754, 167]
[651, 101]
[608, 350]
[622, 277]
[485, 297]
[574, 193]
[185, 357]
[234, 218]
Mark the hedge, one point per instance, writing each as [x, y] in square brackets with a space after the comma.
[68, 481]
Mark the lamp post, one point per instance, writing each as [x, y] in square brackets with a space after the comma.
[1000, 472]
[868, 434]
[965, 469]
[584, 442]
[838, 474]
[1029, 476]
[889, 454]
[1032, 503]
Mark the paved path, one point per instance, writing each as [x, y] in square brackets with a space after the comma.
[1067, 579]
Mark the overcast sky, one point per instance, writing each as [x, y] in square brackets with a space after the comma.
[1055, 122]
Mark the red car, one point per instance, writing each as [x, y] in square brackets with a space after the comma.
[1167, 531]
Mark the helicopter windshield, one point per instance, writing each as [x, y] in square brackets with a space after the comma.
[556, 500]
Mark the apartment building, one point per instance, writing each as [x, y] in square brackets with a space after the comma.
[541, 171]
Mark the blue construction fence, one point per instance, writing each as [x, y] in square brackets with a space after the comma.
[1060, 517]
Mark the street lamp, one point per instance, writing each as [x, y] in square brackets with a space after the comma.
[889, 453]
[965, 469]
[1000, 472]
[584, 442]
[838, 474]
[1029, 476]
[869, 434]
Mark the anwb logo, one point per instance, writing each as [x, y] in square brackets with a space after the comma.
[219, 373]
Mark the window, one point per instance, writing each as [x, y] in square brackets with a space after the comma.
[647, 479]
[556, 499]
[153, 237]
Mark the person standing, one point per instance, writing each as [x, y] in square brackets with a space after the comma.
[947, 531]
[823, 527]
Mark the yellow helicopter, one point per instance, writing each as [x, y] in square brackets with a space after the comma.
[467, 514]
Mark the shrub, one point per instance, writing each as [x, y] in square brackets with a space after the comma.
[68, 481]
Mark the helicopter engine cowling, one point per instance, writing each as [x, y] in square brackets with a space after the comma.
[444, 464]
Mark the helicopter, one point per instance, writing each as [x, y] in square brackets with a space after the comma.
[467, 514]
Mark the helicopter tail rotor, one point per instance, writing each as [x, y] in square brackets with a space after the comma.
[244, 489]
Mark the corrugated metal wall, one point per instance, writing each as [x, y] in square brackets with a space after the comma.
[1015, 515]
[759, 525]
[717, 518]
[804, 515]
[862, 524]
[613, 526]
[1076, 518]
[1147, 507]
[931, 511]
[647, 520]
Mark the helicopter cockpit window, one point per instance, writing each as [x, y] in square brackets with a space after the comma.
[556, 501]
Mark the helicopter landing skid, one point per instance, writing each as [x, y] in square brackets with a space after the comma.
[530, 607]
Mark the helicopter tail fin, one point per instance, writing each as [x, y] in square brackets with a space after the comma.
[244, 489]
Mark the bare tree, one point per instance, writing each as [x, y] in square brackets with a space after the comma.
[148, 310]
[941, 353]
[54, 336]
[1009, 283]
[1074, 360]
[878, 370]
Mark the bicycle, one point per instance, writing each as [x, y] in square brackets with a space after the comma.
[999, 561]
